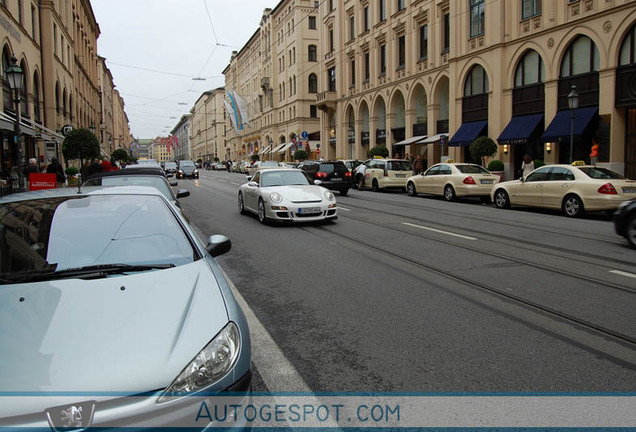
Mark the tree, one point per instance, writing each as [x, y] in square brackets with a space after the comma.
[379, 150]
[482, 147]
[254, 157]
[120, 155]
[300, 155]
[80, 144]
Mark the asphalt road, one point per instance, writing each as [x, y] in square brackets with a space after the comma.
[421, 295]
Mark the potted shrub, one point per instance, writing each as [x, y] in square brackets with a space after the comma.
[496, 167]
[71, 175]
[481, 148]
[379, 150]
[301, 155]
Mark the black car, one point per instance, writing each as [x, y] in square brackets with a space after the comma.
[332, 175]
[625, 221]
[187, 168]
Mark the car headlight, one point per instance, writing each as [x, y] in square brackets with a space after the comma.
[211, 364]
[180, 172]
[196, 171]
[329, 196]
[276, 197]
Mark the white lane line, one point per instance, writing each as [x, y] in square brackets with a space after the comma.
[439, 231]
[622, 273]
[237, 184]
[222, 181]
[342, 208]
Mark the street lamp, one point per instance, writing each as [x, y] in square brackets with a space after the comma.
[15, 76]
[92, 128]
[573, 103]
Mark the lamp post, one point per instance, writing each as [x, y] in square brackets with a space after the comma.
[15, 76]
[271, 147]
[92, 128]
[573, 103]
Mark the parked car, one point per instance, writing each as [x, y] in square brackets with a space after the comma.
[256, 165]
[452, 180]
[380, 174]
[187, 169]
[574, 189]
[332, 175]
[286, 195]
[351, 165]
[100, 327]
[625, 221]
[170, 167]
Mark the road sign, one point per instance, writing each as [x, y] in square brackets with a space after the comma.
[304, 135]
[317, 146]
[66, 129]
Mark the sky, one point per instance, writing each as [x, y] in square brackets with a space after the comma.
[154, 49]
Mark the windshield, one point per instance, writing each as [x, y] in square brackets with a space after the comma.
[601, 173]
[398, 166]
[283, 178]
[134, 180]
[472, 169]
[54, 234]
[186, 164]
[170, 165]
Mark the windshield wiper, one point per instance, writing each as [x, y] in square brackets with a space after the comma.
[90, 272]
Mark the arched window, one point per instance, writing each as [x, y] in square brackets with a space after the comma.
[36, 98]
[313, 83]
[70, 107]
[628, 49]
[312, 53]
[24, 99]
[7, 98]
[57, 97]
[530, 70]
[476, 82]
[581, 57]
[64, 103]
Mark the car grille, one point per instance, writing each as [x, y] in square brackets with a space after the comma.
[310, 215]
[306, 202]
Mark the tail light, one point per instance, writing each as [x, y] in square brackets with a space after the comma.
[386, 173]
[321, 175]
[607, 189]
[347, 174]
[469, 180]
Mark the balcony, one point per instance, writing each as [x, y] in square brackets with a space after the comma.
[326, 100]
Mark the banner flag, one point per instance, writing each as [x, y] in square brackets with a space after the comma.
[231, 113]
[237, 114]
[242, 108]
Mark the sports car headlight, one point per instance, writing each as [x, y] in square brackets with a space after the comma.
[329, 196]
[276, 197]
[211, 364]
[196, 171]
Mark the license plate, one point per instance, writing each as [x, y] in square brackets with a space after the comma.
[629, 190]
[487, 181]
[400, 175]
[335, 179]
[309, 210]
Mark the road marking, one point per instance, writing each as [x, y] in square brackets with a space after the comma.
[222, 181]
[238, 184]
[440, 231]
[342, 208]
[622, 273]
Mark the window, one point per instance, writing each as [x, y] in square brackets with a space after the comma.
[20, 12]
[33, 25]
[352, 28]
[382, 60]
[312, 22]
[312, 53]
[353, 73]
[36, 99]
[581, 57]
[55, 39]
[367, 66]
[330, 5]
[476, 17]
[530, 70]
[628, 49]
[476, 82]
[382, 10]
[366, 18]
[446, 39]
[401, 51]
[331, 41]
[313, 83]
[332, 79]
[313, 111]
[401, 4]
[423, 42]
[530, 8]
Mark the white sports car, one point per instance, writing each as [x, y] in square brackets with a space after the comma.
[286, 195]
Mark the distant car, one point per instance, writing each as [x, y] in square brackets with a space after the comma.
[287, 164]
[170, 167]
[574, 189]
[187, 169]
[332, 175]
[453, 180]
[384, 173]
[219, 166]
[110, 277]
[286, 195]
[146, 168]
[625, 221]
[256, 165]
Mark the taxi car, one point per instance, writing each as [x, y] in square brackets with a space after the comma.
[286, 195]
[452, 180]
[380, 174]
[114, 313]
[574, 189]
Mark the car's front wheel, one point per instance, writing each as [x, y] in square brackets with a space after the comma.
[501, 199]
[262, 215]
[241, 204]
[410, 189]
[573, 206]
[449, 193]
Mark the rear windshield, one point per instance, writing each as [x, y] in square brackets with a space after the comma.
[269, 164]
[332, 167]
[472, 169]
[601, 173]
[398, 166]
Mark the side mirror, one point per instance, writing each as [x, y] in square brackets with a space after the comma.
[218, 245]
[173, 183]
[521, 179]
[318, 182]
[248, 178]
[252, 184]
[182, 193]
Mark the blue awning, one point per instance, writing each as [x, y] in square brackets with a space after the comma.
[520, 128]
[467, 133]
[560, 127]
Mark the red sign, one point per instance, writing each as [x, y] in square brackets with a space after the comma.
[39, 181]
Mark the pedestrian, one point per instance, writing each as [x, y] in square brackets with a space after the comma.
[107, 166]
[527, 166]
[32, 167]
[418, 165]
[594, 152]
[94, 167]
[55, 168]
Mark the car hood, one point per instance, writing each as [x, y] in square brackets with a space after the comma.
[188, 169]
[299, 193]
[126, 334]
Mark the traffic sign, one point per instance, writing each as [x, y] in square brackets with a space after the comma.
[66, 129]
[304, 135]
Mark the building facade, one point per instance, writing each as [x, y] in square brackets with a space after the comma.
[428, 77]
[181, 132]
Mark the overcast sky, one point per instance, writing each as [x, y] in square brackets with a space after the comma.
[154, 48]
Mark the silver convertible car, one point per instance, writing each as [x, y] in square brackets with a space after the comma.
[113, 313]
[286, 195]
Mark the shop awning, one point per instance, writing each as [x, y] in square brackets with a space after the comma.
[520, 129]
[467, 133]
[561, 124]
[412, 140]
[434, 139]
[285, 147]
[278, 147]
